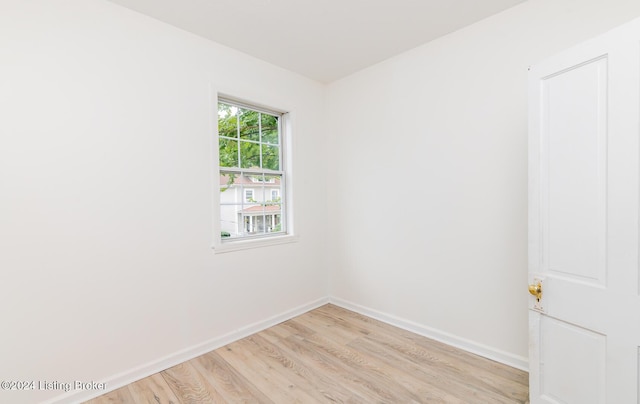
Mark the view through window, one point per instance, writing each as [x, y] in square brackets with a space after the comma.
[252, 179]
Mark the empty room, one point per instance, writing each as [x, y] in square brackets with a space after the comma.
[221, 201]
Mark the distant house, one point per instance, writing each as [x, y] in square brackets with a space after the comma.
[250, 204]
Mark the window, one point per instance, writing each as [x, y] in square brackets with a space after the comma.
[252, 176]
[248, 195]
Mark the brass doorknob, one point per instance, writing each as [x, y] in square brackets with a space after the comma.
[536, 290]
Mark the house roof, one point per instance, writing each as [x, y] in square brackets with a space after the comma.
[261, 209]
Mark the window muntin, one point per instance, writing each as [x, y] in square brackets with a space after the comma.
[251, 171]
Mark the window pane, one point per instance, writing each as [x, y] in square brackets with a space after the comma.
[227, 180]
[249, 125]
[228, 153]
[271, 157]
[269, 129]
[229, 191]
[249, 155]
[254, 213]
[227, 120]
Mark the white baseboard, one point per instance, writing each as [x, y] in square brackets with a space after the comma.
[122, 379]
[518, 362]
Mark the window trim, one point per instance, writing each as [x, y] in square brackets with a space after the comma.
[220, 245]
[246, 191]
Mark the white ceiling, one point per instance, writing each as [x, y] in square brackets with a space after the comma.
[322, 39]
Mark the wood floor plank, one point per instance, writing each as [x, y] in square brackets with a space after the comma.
[429, 385]
[472, 361]
[440, 351]
[277, 332]
[461, 387]
[121, 395]
[254, 367]
[392, 383]
[480, 373]
[153, 389]
[303, 374]
[478, 379]
[320, 324]
[493, 387]
[331, 355]
[356, 369]
[189, 386]
[490, 367]
[327, 376]
[233, 386]
[295, 327]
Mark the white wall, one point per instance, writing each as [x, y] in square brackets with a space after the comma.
[106, 178]
[441, 131]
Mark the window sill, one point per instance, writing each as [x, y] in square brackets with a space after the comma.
[239, 245]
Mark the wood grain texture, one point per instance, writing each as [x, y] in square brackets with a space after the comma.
[121, 395]
[331, 355]
[153, 389]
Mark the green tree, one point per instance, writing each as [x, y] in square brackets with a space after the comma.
[248, 139]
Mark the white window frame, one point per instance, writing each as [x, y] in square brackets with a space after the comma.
[275, 192]
[246, 192]
[222, 245]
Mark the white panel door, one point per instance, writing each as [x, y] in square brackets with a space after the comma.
[583, 222]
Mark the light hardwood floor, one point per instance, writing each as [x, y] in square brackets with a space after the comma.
[331, 354]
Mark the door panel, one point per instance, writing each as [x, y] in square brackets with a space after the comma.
[572, 363]
[574, 138]
[584, 182]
